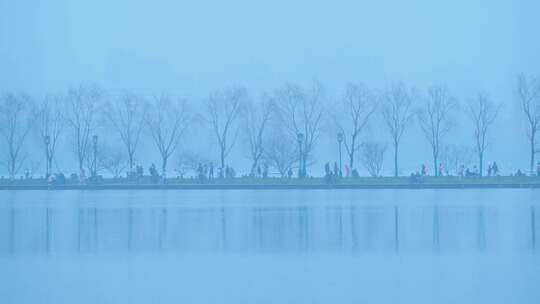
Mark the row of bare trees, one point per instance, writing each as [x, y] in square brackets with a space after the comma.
[281, 129]
[528, 97]
[399, 105]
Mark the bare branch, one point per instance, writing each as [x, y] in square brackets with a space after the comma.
[280, 151]
[528, 97]
[353, 114]
[397, 115]
[256, 116]
[301, 112]
[167, 120]
[435, 120]
[223, 109]
[372, 157]
[482, 112]
[82, 104]
[127, 116]
[50, 124]
[16, 121]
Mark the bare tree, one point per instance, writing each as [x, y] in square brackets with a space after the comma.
[301, 114]
[372, 157]
[455, 156]
[358, 105]
[223, 110]
[105, 157]
[16, 121]
[256, 116]
[528, 96]
[188, 161]
[50, 123]
[435, 120]
[95, 160]
[167, 120]
[81, 113]
[482, 112]
[397, 114]
[127, 116]
[114, 162]
[280, 151]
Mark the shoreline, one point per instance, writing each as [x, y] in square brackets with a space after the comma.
[298, 186]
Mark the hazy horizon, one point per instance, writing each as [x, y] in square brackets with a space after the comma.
[193, 48]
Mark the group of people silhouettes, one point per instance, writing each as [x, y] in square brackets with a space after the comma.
[206, 172]
[332, 173]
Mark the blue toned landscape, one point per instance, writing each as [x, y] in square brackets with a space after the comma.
[269, 152]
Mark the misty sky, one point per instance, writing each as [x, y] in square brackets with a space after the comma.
[192, 47]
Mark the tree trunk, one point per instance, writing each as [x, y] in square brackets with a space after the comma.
[351, 155]
[304, 162]
[395, 159]
[435, 163]
[481, 166]
[533, 151]
[164, 163]
[12, 167]
[49, 165]
[222, 155]
[130, 161]
[253, 167]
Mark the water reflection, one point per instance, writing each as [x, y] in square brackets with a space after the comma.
[261, 229]
[533, 228]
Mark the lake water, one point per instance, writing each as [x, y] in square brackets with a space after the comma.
[293, 246]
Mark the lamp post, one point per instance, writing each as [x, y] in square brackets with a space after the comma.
[94, 142]
[340, 140]
[47, 156]
[300, 139]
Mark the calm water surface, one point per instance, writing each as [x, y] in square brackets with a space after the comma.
[339, 246]
[49, 222]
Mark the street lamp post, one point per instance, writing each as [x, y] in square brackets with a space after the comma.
[47, 156]
[300, 139]
[94, 141]
[340, 140]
